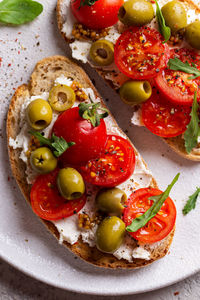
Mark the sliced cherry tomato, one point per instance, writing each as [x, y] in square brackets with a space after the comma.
[159, 226]
[89, 141]
[46, 201]
[164, 118]
[114, 166]
[140, 54]
[102, 14]
[176, 85]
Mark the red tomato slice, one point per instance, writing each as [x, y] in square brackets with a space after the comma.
[176, 85]
[164, 118]
[159, 226]
[89, 141]
[140, 54]
[100, 15]
[46, 201]
[114, 166]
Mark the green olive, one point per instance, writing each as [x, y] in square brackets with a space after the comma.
[136, 12]
[192, 34]
[175, 15]
[135, 92]
[70, 183]
[61, 97]
[111, 200]
[110, 234]
[39, 114]
[102, 52]
[42, 160]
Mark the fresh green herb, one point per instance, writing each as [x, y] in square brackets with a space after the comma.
[177, 65]
[142, 220]
[193, 130]
[87, 2]
[18, 12]
[57, 144]
[164, 30]
[191, 203]
[89, 111]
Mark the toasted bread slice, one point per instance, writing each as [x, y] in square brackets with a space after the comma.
[42, 79]
[177, 143]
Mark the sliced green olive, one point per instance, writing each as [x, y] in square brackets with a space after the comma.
[39, 114]
[135, 92]
[136, 12]
[111, 200]
[42, 160]
[70, 183]
[175, 15]
[102, 52]
[192, 34]
[61, 97]
[110, 234]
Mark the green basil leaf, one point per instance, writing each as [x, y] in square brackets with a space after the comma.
[191, 203]
[192, 132]
[18, 12]
[89, 111]
[177, 65]
[57, 144]
[142, 220]
[164, 30]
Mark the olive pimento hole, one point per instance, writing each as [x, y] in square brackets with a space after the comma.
[146, 87]
[102, 53]
[76, 195]
[40, 123]
[62, 97]
[123, 199]
[122, 12]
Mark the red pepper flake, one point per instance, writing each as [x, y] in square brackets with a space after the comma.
[9, 65]
[176, 293]
[16, 40]
[18, 52]
[0, 61]
[19, 32]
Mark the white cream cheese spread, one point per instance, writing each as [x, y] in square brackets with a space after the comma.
[68, 227]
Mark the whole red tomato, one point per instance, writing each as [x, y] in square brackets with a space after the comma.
[102, 14]
[89, 140]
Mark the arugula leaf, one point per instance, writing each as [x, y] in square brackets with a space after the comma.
[89, 111]
[142, 220]
[57, 144]
[193, 130]
[164, 30]
[18, 12]
[191, 203]
[177, 65]
[87, 2]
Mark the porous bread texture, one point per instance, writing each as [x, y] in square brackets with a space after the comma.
[177, 143]
[42, 79]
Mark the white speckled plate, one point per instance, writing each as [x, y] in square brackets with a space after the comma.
[26, 244]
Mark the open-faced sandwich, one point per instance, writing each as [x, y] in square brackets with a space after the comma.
[148, 52]
[81, 174]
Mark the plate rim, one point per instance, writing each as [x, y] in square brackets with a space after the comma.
[91, 292]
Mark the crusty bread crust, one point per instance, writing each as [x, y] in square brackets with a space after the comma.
[177, 143]
[42, 79]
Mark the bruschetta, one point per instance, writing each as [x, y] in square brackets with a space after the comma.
[81, 174]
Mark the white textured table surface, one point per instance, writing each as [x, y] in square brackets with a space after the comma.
[19, 56]
[17, 286]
